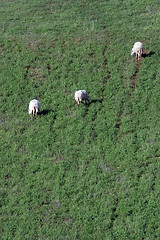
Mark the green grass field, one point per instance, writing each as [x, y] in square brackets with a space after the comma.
[87, 173]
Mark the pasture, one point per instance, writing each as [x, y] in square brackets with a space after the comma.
[91, 172]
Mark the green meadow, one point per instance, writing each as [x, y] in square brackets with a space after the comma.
[88, 173]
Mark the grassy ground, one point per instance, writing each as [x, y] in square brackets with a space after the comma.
[92, 172]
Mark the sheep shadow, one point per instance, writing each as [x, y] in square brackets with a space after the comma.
[148, 54]
[45, 112]
[97, 100]
[92, 101]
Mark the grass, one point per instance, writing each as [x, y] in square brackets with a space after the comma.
[92, 172]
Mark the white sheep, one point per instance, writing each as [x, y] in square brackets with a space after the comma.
[81, 95]
[34, 107]
[138, 49]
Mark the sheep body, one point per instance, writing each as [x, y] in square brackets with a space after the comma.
[138, 49]
[34, 107]
[81, 95]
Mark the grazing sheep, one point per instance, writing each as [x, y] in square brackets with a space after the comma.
[81, 95]
[138, 49]
[34, 107]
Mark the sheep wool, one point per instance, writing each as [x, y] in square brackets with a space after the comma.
[34, 107]
[81, 95]
[137, 49]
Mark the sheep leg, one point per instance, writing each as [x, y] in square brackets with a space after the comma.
[78, 102]
[31, 114]
[36, 111]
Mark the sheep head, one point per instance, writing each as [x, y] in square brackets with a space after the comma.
[132, 52]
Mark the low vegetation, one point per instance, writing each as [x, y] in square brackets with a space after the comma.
[80, 173]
